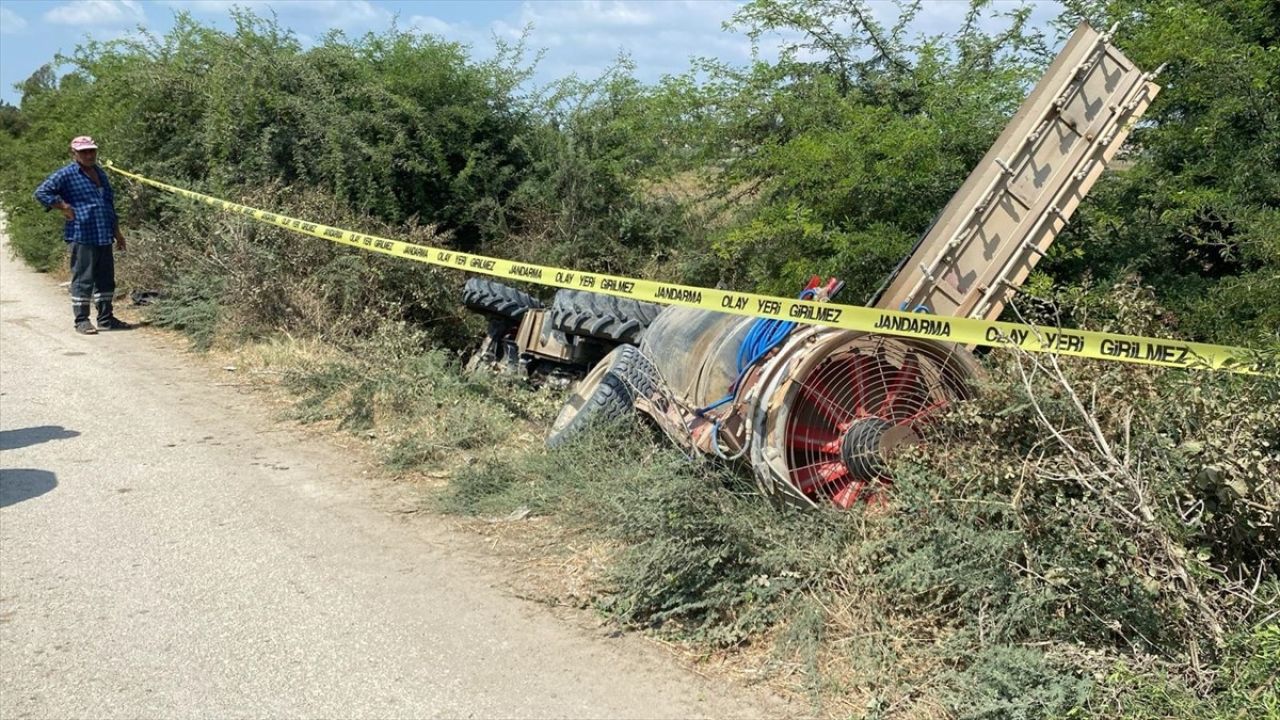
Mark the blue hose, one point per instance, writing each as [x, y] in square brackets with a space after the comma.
[763, 336]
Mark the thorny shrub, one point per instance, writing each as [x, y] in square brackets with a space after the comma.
[702, 556]
[221, 273]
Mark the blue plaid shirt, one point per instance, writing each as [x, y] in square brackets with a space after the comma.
[94, 205]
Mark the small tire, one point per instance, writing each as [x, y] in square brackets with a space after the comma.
[588, 314]
[493, 298]
[608, 393]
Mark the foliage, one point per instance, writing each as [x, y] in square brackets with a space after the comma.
[191, 306]
[1080, 540]
[390, 384]
[857, 137]
[831, 159]
[582, 205]
[1087, 540]
[1245, 686]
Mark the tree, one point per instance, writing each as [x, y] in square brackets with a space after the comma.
[12, 121]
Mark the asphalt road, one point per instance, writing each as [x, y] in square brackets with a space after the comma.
[166, 550]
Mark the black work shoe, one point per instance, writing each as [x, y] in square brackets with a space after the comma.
[84, 327]
[113, 323]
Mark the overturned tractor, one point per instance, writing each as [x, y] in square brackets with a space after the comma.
[819, 412]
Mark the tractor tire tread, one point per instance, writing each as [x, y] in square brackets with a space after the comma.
[493, 298]
[612, 398]
[578, 312]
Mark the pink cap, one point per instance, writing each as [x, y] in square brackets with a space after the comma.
[84, 142]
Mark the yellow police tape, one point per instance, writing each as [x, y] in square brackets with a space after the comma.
[1076, 343]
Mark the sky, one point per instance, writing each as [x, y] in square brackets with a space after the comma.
[578, 36]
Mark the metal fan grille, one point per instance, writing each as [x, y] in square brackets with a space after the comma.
[850, 410]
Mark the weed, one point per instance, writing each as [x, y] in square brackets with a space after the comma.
[191, 306]
[416, 400]
[1011, 681]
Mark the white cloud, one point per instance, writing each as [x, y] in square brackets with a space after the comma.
[215, 6]
[431, 25]
[660, 36]
[624, 19]
[615, 15]
[358, 15]
[346, 15]
[97, 13]
[11, 23]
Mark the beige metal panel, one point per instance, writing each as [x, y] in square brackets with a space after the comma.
[982, 179]
[1015, 202]
[1073, 193]
[531, 339]
[1072, 148]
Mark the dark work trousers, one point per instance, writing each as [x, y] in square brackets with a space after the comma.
[93, 279]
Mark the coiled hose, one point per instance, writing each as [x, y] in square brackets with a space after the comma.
[762, 337]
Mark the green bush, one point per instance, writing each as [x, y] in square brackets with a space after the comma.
[398, 132]
[393, 385]
[1195, 213]
[1015, 682]
[191, 305]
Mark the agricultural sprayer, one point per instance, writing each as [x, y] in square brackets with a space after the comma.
[815, 411]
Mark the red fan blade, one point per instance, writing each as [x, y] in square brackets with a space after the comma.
[923, 413]
[849, 495]
[810, 478]
[861, 371]
[812, 437]
[816, 390]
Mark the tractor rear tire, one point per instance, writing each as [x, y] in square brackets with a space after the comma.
[588, 314]
[607, 394]
[493, 298]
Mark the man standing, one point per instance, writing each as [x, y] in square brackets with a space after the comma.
[83, 194]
